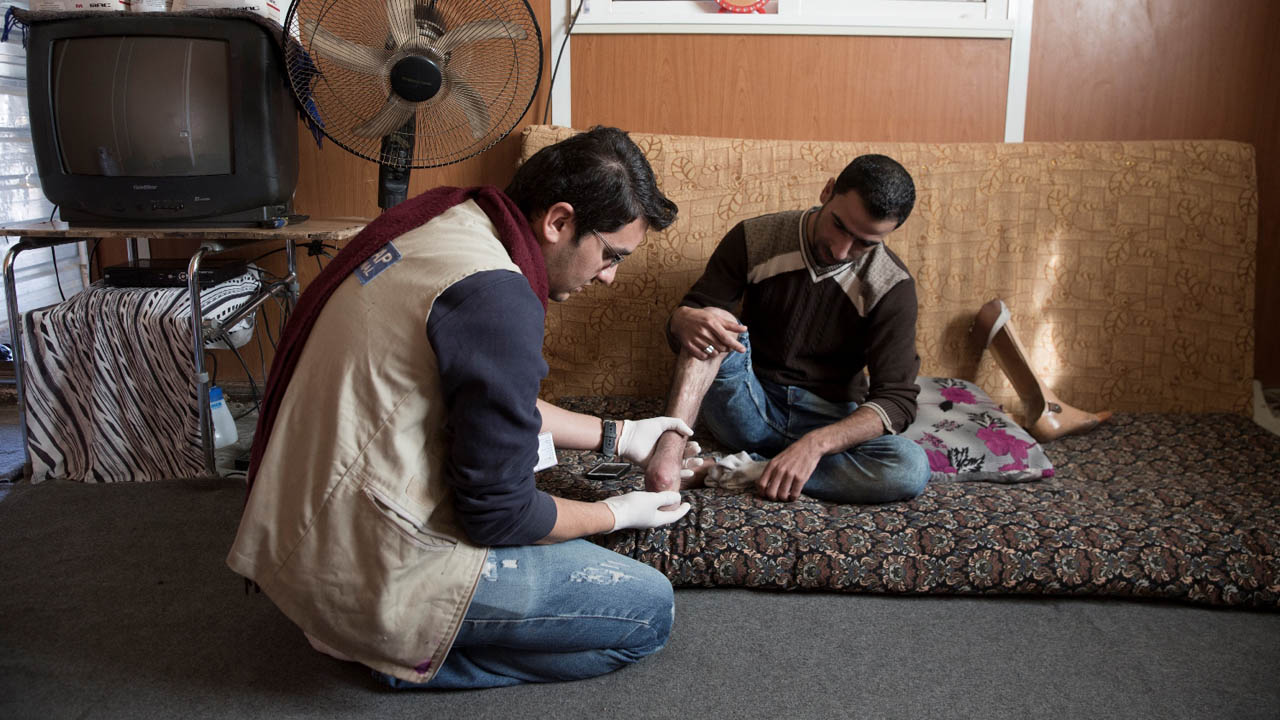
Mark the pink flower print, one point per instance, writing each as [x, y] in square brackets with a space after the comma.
[958, 395]
[938, 461]
[1000, 442]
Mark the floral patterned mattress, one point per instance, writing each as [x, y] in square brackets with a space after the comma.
[1171, 506]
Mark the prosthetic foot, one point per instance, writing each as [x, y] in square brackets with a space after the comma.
[1048, 418]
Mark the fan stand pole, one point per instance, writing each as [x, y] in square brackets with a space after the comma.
[393, 171]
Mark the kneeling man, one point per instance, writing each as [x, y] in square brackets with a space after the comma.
[393, 514]
[824, 299]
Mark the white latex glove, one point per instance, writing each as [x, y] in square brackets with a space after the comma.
[640, 509]
[689, 467]
[691, 461]
[636, 441]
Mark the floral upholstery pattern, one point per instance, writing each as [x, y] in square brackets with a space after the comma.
[1171, 506]
[968, 437]
[1128, 266]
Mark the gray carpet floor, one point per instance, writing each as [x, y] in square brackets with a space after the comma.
[117, 604]
[11, 457]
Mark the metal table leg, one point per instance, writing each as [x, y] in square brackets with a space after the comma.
[197, 337]
[291, 253]
[201, 376]
[15, 331]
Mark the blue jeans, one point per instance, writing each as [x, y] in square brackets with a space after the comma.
[545, 613]
[746, 413]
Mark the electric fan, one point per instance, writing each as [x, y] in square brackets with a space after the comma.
[413, 83]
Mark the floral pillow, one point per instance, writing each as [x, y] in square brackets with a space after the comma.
[967, 436]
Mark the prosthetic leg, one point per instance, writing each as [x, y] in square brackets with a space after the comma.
[1048, 418]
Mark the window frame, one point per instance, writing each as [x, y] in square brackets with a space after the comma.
[42, 277]
[923, 18]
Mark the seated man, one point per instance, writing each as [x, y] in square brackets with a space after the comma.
[824, 298]
[392, 512]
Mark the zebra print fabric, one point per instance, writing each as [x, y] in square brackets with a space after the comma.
[110, 395]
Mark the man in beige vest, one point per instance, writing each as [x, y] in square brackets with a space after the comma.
[393, 513]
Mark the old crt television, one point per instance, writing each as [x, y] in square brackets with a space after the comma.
[161, 120]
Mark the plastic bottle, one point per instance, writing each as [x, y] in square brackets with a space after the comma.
[224, 426]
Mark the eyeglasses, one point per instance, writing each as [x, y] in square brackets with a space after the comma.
[617, 256]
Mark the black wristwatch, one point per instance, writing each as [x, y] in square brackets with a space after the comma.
[609, 438]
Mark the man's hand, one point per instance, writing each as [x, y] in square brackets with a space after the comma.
[638, 437]
[700, 328]
[785, 475]
[643, 509]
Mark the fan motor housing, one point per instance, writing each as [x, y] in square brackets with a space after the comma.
[416, 78]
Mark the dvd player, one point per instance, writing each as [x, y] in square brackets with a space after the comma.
[171, 272]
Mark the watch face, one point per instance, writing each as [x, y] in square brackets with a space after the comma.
[742, 6]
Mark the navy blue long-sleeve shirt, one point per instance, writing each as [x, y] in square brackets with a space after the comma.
[486, 331]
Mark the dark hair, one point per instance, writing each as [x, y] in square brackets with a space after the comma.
[885, 187]
[602, 174]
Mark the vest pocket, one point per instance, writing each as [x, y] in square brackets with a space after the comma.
[404, 522]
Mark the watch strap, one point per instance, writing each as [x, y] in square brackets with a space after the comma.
[609, 438]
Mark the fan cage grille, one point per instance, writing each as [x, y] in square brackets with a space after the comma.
[502, 68]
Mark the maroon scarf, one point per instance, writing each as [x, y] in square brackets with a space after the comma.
[513, 230]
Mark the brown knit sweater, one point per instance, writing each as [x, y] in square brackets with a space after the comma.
[818, 327]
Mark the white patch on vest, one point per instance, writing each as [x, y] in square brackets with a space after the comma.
[608, 572]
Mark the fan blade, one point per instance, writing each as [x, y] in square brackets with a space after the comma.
[472, 106]
[390, 117]
[352, 56]
[476, 31]
[400, 21]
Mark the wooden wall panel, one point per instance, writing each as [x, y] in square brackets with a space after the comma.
[336, 183]
[1267, 140]
[1106, 70]
[793, 87]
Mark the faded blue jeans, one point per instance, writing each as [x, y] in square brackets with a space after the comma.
[746, 413]
[545, 613]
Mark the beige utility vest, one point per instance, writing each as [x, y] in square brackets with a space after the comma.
[350, 525]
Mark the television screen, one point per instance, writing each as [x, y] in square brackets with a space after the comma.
[160, 118]
[110, 120]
